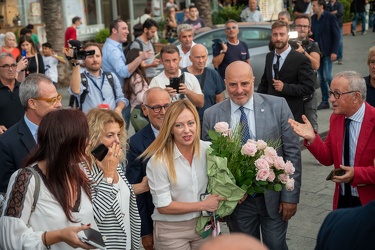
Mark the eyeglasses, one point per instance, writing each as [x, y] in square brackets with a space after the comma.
[337, 94]
[52, 100]
[157, 108]
[302, 26]
[7, 66]
[231, 28]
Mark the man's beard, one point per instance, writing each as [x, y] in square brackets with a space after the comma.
[280, 45]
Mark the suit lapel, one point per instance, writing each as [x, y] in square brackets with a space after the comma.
[26, 137]
[148, 136]
[226, 112]
[260, 116]
[368, 124]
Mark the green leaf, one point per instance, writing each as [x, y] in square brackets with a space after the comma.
[213, 135]
[278, 187]
[259, 190]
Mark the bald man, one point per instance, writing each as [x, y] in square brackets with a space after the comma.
[235, 241]
[267, 118]
[211, 83]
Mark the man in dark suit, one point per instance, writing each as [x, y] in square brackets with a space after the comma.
[267, 118]
[38, 96]
[155, 102]
[353, 119]
[348, 229]
[326, 33]
[287, 73]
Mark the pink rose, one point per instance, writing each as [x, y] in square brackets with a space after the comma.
[289, 186]
[272, 176]
[289, 169]
[261, 144]
[251, 141]
[262, 174]
[227, 133]
[261, 164]
[270, 160]
[221, 127]
[249, 149]
[279, 163]
[283, 178]
[270, 152]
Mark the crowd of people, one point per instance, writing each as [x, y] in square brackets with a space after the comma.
[66, 171]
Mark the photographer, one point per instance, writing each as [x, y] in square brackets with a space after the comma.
[94, 87]
[312, 51]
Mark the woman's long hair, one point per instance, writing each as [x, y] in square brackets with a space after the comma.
[62, 140]
[97, 120]
[130, 57]
[163, 146]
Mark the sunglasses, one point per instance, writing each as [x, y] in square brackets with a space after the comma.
[52, 100]
[231, 28]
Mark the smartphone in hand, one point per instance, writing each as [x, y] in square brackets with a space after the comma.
[100, 152]
[23, 53]
[92, 237]
[335, 172]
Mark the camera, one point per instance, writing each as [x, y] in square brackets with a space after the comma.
[78, 53]
[202, 198]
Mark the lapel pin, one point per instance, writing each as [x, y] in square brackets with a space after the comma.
[262, 110]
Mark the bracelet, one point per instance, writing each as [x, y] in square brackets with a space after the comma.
[75, 64]
[45, 240]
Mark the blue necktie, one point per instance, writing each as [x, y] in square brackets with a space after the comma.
[348, 189]
[244, 126]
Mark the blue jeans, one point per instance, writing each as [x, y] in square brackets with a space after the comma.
[339, 54]
[325, 76]
[363, 19]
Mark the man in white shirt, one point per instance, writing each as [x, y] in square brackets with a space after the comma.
[188, 88]
[185, 35]
[251, 14]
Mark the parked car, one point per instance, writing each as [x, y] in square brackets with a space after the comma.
[256, 35]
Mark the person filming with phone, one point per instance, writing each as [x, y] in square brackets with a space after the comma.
[114, 202]
[349, 145]
[179, 85]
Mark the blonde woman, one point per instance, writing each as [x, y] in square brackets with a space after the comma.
[115, 208]
[177, 172]
[10, 44]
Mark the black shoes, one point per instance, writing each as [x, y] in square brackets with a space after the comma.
[353, 32]
[323, 105]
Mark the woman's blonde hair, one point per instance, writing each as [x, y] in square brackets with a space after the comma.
[98, 119]
[163, 146]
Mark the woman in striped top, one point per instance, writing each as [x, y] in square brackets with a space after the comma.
[115, 208]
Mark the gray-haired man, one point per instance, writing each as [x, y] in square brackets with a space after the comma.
[185, 35]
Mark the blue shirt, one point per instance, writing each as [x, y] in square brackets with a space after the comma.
[114, 60]
[33, 128]
[100, 93]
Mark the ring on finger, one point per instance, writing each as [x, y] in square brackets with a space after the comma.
[115, 154]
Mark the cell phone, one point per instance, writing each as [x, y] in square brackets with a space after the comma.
[92, 237]
[157, 55]
[174, 82]
[100, 152]
[335, 172]
[202, 198]
[23, 53]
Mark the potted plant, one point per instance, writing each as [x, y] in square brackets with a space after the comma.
[348, 18]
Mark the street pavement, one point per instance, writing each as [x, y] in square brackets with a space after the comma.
[316, 192]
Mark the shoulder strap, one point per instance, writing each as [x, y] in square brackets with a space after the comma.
[37, 187]
[203, 79]
[110, 80]
[85, 92]
[140, 44]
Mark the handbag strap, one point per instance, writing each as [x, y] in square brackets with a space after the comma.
[37, 187]
[203, 79]
[37, 63]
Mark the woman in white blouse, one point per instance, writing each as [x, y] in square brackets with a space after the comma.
[115, 208]
[64, 200]
[177, 173]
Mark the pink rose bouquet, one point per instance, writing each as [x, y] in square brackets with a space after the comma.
[255, 165]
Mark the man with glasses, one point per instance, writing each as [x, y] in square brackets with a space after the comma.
[38, 96]
[311, 50]
[11, 109]
[349, 145]
[230, 50]
[155, 103]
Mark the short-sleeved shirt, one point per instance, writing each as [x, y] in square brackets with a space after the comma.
[195, 24]
[11, 110]
[50, 67]
[151, 71]
[185, 60]
[191, 83]
[238, 52]
[70, 34]
[301, 6]
[251, 16]
[213, 85]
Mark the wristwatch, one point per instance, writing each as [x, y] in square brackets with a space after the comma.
[109, 180]
[222, 52]
[75, 64]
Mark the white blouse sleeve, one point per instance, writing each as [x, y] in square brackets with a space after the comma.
[14, 231]
[158, 180]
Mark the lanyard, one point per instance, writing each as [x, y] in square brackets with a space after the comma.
[96, 86]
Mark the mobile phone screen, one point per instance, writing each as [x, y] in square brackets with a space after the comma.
[23, 53]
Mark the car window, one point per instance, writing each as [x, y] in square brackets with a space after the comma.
[207, 38]
[255, 37]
